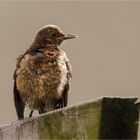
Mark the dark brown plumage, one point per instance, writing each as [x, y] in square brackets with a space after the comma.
[43, 73]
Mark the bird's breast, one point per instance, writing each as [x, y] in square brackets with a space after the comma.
[45, 78]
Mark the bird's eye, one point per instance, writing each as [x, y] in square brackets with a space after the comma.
[54, 35]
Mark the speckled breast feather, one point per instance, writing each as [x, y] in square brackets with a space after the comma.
[41, 76]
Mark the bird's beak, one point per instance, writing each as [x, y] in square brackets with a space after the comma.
[69, 36]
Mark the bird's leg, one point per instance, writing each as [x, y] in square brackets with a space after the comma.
[41, 111]
[31, 113]
[58, 104]
[41, 108]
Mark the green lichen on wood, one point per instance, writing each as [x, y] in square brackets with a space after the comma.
[107, 118]
[80, 122]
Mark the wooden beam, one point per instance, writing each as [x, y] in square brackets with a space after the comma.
[105, 118]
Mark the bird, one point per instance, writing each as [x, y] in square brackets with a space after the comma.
[43, 73]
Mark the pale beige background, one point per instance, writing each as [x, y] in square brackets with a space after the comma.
[105, 57]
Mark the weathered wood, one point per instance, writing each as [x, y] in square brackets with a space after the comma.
[119, 119]
[106, 118]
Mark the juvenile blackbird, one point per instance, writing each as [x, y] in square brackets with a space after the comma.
[43, 73]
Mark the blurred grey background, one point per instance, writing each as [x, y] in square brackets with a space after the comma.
[105, 57]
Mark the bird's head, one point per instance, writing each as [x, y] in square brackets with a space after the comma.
[52, 34]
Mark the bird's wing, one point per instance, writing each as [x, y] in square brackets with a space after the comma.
[68, 65]
[67, 86]
[18, 64]
[69, 68]
[64, 99]
[65, 94]
[19, 105]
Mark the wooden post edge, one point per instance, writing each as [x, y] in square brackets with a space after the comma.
[105, 118]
